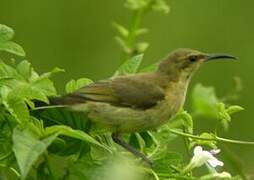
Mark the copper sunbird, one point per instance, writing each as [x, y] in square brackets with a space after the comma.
[142, 101]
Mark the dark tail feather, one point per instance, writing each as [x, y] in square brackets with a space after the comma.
[61, 100]
[66, 100]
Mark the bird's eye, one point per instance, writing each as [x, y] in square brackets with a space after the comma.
[193, 58]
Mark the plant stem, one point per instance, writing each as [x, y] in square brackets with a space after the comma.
[136, 20]
[186, 144]
[215, 138]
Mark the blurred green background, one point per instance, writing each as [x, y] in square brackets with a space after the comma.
[78, 36]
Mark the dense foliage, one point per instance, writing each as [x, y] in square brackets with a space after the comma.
[53, 143]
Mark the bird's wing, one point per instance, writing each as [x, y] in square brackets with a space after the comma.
[122, 91]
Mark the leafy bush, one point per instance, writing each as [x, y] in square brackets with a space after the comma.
[54, 143]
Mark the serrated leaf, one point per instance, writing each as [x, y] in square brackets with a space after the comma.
[27, 148]
[6, 33]
[45, 85]
[73, 85]
[77, 134]
[130, 66]
[12, 48]
[121, 29]
[204, 100]
[26, 91]
[151, 68]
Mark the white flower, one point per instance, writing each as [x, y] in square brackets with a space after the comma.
[202, 157]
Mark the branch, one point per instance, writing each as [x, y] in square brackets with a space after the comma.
[215, 138]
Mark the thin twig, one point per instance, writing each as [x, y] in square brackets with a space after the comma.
[215, 138]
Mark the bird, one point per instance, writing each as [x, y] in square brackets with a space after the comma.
[143, 101]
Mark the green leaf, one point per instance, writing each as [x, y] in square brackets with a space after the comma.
[164, 135]
[130, 66]
[28, 148]
[161, 5]
[234, 109]
[91, 169]
[8, 71]
[141, 142]
[135, 4]
[223, 116]
[123, 44]
[209, 143]
[73, 85]
[13, 48]
[137, 141]
[4, 91]
[77, 134]
[186, 120]
[149, 138]
[164, 160]
[6, 33]
[17, 108]
[141, 47]
[45, 85]
[141, 31]
[121, 29]
[24, 68]
[27, 91]
[151, 68]
[48, 74]
[204, 100]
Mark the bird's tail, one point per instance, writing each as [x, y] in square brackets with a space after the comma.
[66, 100]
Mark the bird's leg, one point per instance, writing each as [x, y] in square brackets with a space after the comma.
[117, 139]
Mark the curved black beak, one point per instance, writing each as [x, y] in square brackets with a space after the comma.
[219, 56]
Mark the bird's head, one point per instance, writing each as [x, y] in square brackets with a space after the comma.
[184, 62]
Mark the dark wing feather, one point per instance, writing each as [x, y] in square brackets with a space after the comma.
[121, 91]
[101, 91]
[137, 92]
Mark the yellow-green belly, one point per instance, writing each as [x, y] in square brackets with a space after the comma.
[123, 119]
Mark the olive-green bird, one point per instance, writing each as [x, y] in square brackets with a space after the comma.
[142, 101]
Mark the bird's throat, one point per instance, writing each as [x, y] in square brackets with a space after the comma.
[176, 92]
